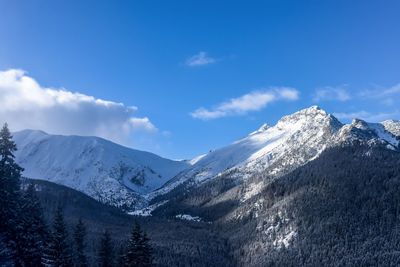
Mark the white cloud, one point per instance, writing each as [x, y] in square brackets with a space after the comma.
[388, 96]
[26, 104]
[367, 116]
[253, 101]
[381, 92]
[331, 93]
[200, 59]
[392, 90]
[142, 123]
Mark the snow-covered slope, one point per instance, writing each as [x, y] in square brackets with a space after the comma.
[108, 172]
[293, 141]
[125, 177]
[392, 126]
[371, 133]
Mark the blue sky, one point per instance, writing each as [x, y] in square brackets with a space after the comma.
[193, 75]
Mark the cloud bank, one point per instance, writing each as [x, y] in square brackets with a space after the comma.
[252, 101]
[388, 96]
[331, 93]
[25, 104]
[200, 59]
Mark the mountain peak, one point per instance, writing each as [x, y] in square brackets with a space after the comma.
[360, 124]
[299, 116]
[314, 107]
[313, 115]
[310, 111]
[313, 110]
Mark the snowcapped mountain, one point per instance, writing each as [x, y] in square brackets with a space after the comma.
[129, 178]
[392, 126]
[295, 140]
[361, 131]
[106, 171]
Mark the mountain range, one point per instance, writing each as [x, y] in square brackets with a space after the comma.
[308, 191]
[129, 178]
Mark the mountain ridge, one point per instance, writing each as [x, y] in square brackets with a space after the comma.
[294, 140]
[104, 170]
[130, 178]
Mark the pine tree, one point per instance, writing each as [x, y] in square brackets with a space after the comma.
[59, 251]
[10, 174]
[121, 255]
[10, 170]
[147, 257]
[106, 251]
[34, 232]
[5, 252]
[132, 255]
[139, 251]
[147, 251]
[79, 238]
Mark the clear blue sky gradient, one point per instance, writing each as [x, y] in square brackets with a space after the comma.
[134, 52]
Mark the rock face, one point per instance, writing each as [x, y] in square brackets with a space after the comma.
[106, 171]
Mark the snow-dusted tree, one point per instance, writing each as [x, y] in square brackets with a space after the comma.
[138, 250]
[79, 238]
[132, 256]
[58, 253]
[33, 230]
[121, 255]
[10, 173]
[106, 251]
[146, 251]
[5, 252]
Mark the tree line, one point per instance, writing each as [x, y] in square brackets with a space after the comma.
[27, 240]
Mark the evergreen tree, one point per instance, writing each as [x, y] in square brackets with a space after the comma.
[10, 174]
[138, 251]
[34, 232]
[121, 255]
[79, 238]
[106, 250]
[132, 255]
[9, 169]
[59, 252]
[5, 253]
[146, 251]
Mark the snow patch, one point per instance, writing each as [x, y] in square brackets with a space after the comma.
[252, 190]
[148, 210]
[188, 217]
[284, 240]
